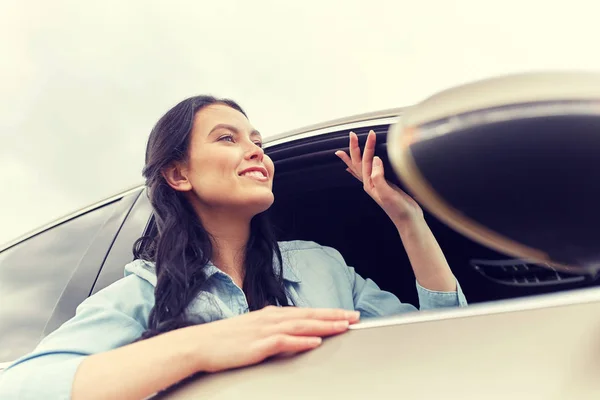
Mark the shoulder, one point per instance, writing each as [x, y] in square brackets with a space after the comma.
[135, 289]
[322, 276]
[309, 258]
[303, 248]
[121, 308]
[142, 269]
[132, 295]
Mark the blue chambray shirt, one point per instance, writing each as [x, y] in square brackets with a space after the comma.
[314, 276]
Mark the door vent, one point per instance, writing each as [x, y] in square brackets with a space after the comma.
[524, 273]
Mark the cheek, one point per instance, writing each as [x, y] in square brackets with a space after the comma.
[212, 174]
[216, 164]
[269, 166]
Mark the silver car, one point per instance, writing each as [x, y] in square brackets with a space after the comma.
[530, 331]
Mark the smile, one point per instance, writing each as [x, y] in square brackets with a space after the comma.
[258, 174]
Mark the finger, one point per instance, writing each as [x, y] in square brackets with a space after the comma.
[325, 314]
[344, 157]
[349, 170]
[309, 327]
[378, 174]
[354, 150]
[367, 158]
[281, 343]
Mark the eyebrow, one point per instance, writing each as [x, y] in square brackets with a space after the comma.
[233, 129]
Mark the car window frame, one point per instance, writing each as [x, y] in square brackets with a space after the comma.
[121, 251]
[85, 275]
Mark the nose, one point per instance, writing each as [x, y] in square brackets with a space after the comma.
[254, 152]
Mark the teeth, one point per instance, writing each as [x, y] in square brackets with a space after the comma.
[254, 174]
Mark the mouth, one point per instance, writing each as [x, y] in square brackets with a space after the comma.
[257, 173]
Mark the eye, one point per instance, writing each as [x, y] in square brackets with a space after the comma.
[226, 138]
[259, 144]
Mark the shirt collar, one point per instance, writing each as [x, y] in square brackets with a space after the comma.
[290, 273]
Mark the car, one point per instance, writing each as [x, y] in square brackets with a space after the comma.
[529, 331]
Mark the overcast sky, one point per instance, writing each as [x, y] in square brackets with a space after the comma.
[82, 82]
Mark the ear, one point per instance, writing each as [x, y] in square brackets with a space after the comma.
[176, 177]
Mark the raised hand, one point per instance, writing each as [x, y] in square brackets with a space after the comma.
[368, 169]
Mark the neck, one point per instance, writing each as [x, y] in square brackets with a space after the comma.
[230, 235]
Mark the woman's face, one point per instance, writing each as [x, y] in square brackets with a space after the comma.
[227, 168]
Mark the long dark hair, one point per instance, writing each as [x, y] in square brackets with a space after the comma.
[180, 246]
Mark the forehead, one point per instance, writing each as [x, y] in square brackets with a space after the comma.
[210, 116]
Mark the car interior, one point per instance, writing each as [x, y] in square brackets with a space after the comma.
[317, 200]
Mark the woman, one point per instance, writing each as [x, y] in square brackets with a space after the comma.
[203, 295]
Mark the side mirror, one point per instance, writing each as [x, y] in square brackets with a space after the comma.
[511, 162]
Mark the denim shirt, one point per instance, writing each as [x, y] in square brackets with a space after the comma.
[314, 276]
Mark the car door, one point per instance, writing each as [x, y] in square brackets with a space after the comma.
[537, 348]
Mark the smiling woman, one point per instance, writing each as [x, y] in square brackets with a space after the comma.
[214, 289]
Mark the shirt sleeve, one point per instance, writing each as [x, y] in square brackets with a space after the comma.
[372, 301]
[111, 318]
[429, 299]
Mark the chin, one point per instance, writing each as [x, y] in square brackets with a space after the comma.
[259, 204]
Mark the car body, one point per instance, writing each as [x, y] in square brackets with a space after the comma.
[529, 331]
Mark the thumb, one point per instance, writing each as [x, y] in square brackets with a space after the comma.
[377, 173]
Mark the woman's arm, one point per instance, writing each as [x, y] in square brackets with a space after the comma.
[141, 369]
[92, 355]
[372, 301]
[138, 370]
[426, 257]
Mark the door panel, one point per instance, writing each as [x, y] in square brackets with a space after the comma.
[542, 348]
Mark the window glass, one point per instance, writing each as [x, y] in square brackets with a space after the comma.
[33, 275]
